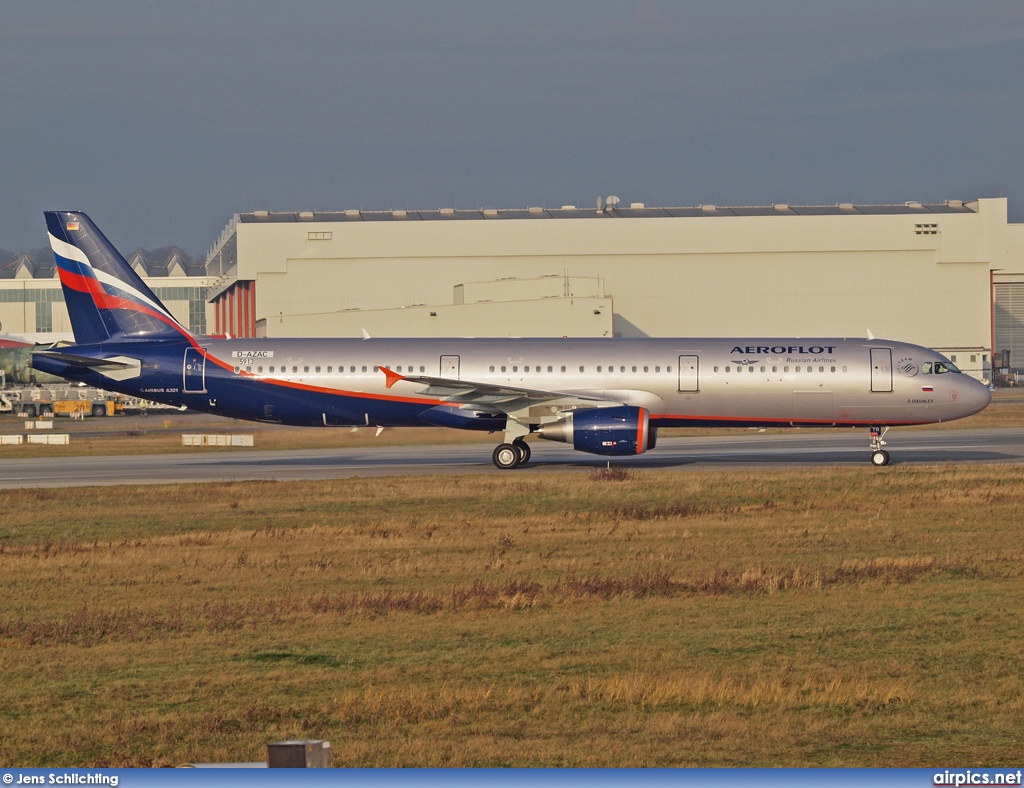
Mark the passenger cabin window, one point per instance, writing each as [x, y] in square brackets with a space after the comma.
[581, 369]
[491, 369]
[259, 369]
[563, 369]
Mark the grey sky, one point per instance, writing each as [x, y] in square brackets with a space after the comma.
[162, 119]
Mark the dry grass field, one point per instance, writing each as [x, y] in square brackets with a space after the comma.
[810, 617]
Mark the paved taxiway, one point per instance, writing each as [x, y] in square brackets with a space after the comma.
[682, 454]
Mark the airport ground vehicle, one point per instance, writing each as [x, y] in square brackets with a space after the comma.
[54, 400]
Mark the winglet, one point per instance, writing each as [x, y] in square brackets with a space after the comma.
[392, 377]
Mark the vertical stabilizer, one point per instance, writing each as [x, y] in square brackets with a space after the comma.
[106, 299]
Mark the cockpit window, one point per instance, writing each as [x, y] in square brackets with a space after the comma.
[926, 368]
[945, 366]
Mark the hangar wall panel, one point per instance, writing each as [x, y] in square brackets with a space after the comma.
[578, 317]
[910, 272]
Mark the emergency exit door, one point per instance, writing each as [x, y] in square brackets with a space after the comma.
[450, 367]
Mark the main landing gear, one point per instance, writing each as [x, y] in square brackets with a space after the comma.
[879, 456]
[511, 455]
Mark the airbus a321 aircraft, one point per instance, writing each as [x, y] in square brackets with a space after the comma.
[603, 396]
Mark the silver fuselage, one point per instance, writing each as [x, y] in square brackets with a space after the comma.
[709, 381]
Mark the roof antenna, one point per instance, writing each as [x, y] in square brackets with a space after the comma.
[870, 335]
[366, 334]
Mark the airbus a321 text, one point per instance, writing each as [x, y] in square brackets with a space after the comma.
[603, 396]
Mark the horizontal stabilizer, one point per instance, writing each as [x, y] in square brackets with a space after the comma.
[89, 363]
[55, 362]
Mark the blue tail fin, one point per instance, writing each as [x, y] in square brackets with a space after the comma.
[106, 299]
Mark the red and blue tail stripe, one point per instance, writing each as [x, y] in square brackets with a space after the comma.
[106, 299]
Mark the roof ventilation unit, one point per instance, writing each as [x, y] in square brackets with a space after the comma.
[637, 205]
[490, 212]
[447, 211]
[305, 215]
[399, 214]
[352, 212]
[846, 206]
[261, 214]
[709, 208]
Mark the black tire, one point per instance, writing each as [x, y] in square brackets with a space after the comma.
[99, 409]
[506, 456]
[29, 411]
[46, 410]
[880, 458]
[524, 450]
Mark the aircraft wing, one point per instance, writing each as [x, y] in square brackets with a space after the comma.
[494, 398]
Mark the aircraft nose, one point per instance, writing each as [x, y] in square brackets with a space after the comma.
[975, 397]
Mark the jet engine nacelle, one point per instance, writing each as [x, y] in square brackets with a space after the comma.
[609, 431]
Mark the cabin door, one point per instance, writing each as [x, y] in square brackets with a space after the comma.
[194, 372]
[881, 369]
[688, 373]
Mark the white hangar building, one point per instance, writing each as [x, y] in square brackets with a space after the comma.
[916, 272]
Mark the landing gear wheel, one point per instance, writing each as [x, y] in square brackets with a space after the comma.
[880, 458]
[506, 456]
[524, 450]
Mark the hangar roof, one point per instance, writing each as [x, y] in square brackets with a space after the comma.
[635, 210]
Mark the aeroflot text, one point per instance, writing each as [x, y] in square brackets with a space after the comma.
[814, 350]
[976, 778]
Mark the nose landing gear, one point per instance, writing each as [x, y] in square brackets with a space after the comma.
[879, 456]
